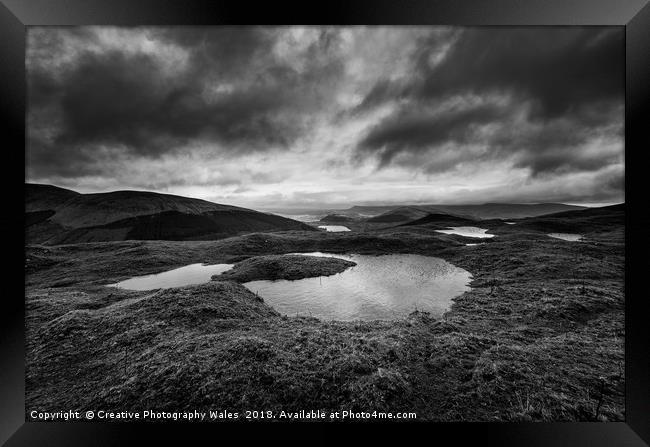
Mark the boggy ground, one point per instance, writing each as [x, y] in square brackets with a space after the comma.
[539, 337]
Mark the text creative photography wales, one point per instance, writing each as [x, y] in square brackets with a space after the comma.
[325, 223]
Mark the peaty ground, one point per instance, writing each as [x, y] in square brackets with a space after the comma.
[539, 337]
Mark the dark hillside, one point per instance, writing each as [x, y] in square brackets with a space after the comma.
[46, 197]
[336, 218]
[55, 216]
[440, 219]
[401, 214]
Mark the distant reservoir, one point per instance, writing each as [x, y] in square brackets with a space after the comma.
[334, 228]
[467, 232]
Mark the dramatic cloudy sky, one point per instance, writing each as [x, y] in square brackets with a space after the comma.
[315, 116]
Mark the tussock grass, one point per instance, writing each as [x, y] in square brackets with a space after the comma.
[539, 337]
[289, 267]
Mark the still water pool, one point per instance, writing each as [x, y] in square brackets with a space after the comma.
[184, 276]
[377, 288]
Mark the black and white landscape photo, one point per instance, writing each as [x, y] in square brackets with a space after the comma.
[324, 223]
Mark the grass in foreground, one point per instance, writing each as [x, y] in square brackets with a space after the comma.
[539, 337]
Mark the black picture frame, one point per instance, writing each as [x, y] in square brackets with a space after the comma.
[634, 15]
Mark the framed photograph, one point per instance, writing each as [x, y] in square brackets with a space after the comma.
[413, 216]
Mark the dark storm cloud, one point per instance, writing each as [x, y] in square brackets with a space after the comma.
[411, 129]
[339, 114]
[231, 91]
[566, 145]
[568, 82]
[118, 99]
[560, 69]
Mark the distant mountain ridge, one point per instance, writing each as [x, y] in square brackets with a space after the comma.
[578, 221]
[482, 211]
[57, 215]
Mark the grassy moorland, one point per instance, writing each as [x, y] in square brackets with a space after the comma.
[539, 337]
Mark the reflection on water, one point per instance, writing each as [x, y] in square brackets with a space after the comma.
[334, 228]
[566, 236]
[509, 223]
[467, 232]
[378, 287]
[189, 275]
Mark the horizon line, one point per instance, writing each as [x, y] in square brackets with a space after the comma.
[334, 207]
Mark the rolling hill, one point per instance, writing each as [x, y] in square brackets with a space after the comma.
[440, 219]
[506, 210]
[580, 221]
[55, 215]
[401, 214]
[336, 218]
[482, 211]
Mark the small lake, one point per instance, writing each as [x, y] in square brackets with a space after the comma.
[467, 232]
[184, 276]
[377, 288]
[566, 236]
[334, 228]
